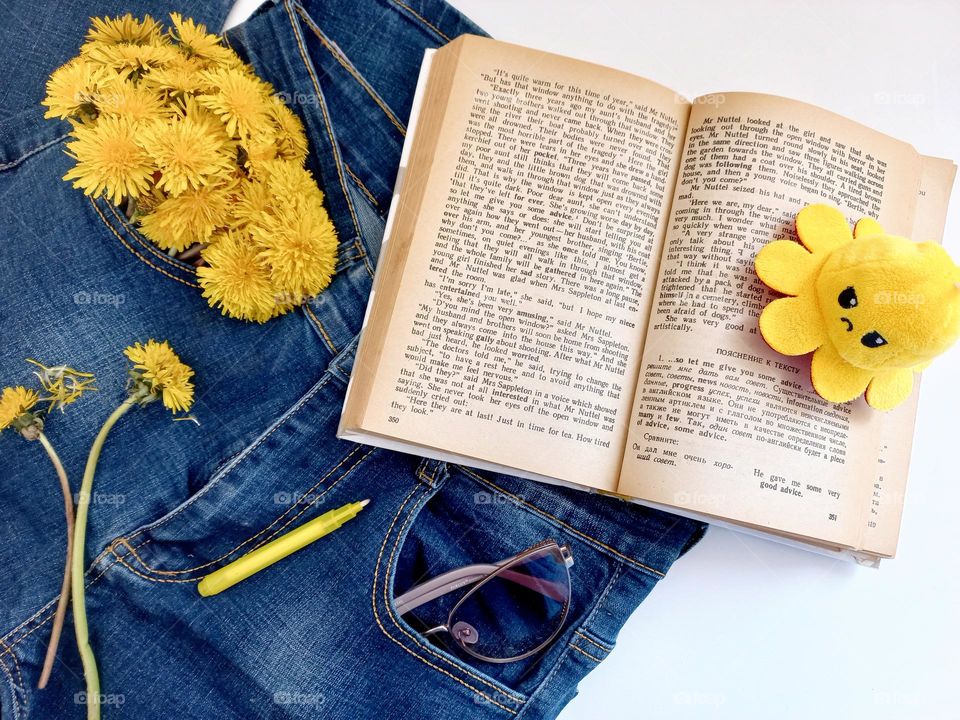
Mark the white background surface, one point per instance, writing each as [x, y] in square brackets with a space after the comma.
[745, 628]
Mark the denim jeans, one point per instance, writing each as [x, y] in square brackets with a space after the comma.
[316, 635]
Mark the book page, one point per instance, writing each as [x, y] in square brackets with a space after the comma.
[722, 424]
[885, 508]
[515, 331]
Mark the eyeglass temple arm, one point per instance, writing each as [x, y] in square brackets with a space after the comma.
[455, 579]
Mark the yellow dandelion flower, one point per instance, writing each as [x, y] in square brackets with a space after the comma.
[299, 243]
[253, 200]
[159, 369]
[197, 42]
[125, 29]
[180, 76]
[72, 88]
[137, 103]
[290, 138]
[237, 281]
[109, 160]
[128, 57]
[258, 150]
[240, 100]
[287, 179]
[187, 153]
[15, 402]
[62, 384]
[178, 222]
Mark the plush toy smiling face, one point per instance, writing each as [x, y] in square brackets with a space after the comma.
[872, 307]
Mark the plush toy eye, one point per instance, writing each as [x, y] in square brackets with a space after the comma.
[873, 339]
[848, 299]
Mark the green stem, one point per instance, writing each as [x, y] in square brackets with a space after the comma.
[79, 603]
[61, 613]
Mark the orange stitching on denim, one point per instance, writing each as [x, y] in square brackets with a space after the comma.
[376, 615]
[297, 406]
[49, 616]
[13, 688]
[340, 58]
[584, 652]
[323, 111]
[557, 520]
[145, 243]
[593, 642]
[319, 325]
[142, 258]
[422, 19]
[16, 666]
[359, 182]
[307, 494]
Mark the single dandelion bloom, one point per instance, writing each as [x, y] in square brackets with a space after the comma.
[290, 180]
[15, 403]
[291, 140]
[252, 201]
[178, 222]
[198, 43]
[125, 29]
[299, 243]
[137, 103]
[188, 154]
[180, 76]
[62, 384]
[240, 100]
[158, 372]
[109, 159]
[237, 281]
[72, 88]
[126, 58]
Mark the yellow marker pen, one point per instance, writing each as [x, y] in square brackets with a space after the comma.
[276, 550]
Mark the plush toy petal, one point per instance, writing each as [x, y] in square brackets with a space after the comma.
[889, 389]
[793, 325]
[867, 227]
[834, 378]
[822, 228]
[785, 266]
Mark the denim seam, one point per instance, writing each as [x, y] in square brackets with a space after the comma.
[146, 244]
[13, 683]
[422, 19]
[236, 459]
[359, 183]
[618, 569]
[138, 255]
[323, 111]
[390, 613]
[584, 652]
[50, 615]
[555, 519]
[348, 66]
[133, 551]
[319, 326]
[605, 648]
[34, 151]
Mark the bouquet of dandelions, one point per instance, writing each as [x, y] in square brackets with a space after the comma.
[175, 129]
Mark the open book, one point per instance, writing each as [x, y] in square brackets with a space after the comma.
[566, 292]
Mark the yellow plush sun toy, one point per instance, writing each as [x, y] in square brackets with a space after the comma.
[873, 308]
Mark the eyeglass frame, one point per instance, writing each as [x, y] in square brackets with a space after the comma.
[478, 575]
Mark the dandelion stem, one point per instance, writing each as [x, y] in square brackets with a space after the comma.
[79, 603]
[64, 600]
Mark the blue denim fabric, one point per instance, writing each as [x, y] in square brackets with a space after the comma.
[317, 635]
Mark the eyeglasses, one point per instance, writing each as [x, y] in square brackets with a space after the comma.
[515, 608]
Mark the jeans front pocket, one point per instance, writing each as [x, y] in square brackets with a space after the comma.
[467, 520]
